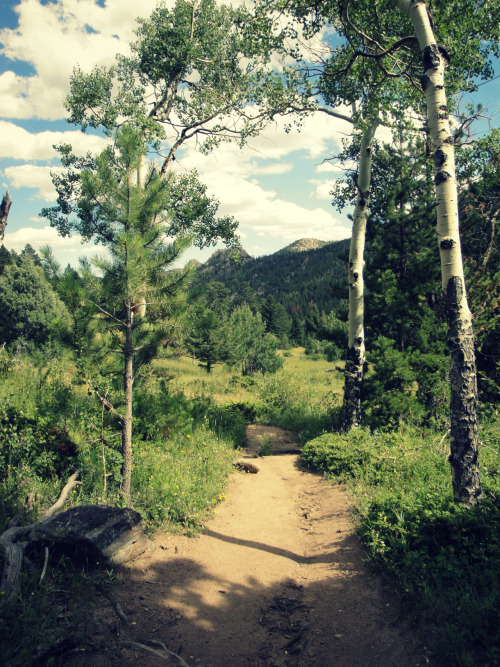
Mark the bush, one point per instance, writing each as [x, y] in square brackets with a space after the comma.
[341, 456]
[409, 387]
[334, 353]
[227, 421]
[160, 413]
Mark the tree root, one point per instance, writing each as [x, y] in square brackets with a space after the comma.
[161, 652]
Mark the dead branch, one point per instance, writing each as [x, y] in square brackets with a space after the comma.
[45, 562]
[4, 213]
[121, 614]
[14, 545]
[71, 483]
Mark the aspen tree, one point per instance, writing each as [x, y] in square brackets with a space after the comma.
[464, 444]
[350, 416]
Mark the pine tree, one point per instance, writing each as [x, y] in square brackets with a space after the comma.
[205, 337]
[402, 264]
[122, 312]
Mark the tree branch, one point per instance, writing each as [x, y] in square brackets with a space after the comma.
[14, 548]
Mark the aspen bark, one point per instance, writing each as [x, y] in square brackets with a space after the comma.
[464, 443]
[350, 416]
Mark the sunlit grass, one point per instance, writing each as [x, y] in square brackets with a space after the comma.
[181, 482]
[221, 384]
[319, 378]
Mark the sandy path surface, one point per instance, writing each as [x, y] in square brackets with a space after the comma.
[276, 578]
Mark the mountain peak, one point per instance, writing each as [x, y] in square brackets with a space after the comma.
[302, 245]
[226, 259]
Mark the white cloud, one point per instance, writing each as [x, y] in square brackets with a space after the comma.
[316, 136]
[39, 236]
[18, 143]
[323, 190]
[32, 176]
[276, 168]
[54, 38]
[257, 208]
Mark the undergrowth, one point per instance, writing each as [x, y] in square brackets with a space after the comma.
[47, 623]
[183, 450]
[441, 559]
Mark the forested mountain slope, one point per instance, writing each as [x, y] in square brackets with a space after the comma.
[294, 276]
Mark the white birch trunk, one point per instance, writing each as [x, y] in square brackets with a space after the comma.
[350, 416]
[464, 438]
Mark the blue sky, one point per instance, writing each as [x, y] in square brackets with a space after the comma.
[277, 187]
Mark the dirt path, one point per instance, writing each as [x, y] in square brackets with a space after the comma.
[276, 578]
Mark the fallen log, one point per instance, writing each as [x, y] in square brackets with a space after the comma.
[113, 535]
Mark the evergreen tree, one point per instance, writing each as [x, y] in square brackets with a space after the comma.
[263, 356]
[217, 297]
[205, 338]
[29, 306]
[243, 332]
[269, 313]
[297, 331]
[6, 258]
[122, 312]
[29, 251]
[402, 269]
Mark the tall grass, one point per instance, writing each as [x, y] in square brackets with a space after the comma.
[303, 397]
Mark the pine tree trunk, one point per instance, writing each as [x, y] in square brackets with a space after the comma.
[128, 381]
[350, 416]
[464, 442]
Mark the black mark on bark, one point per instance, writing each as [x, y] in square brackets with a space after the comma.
[439, 158]
[441, 177]
[431, 57]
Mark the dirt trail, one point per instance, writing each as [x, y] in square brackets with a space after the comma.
[276, 578]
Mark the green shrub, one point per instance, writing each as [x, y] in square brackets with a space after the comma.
[228, 421]
[160, 413]
[26, 446]
[341, 456]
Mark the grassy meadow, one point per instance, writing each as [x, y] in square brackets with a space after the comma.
[441, 560]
